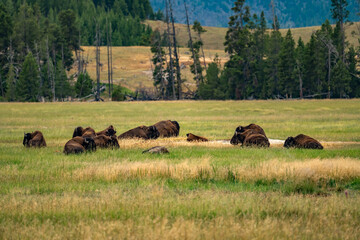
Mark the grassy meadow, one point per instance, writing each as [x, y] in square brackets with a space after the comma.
[199, 191]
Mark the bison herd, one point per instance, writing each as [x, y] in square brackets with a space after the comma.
[86, 139]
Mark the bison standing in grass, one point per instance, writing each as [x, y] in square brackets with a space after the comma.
[251, 135]
[35, 139]
[143, 132]
[302, 141]
[168, 128]
[193, 138]
[79, 145]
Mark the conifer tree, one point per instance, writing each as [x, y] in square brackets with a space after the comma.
[11, 84]
[340, 80]
[158, 59]
[287, 82]
[27, 87]
[83, 85]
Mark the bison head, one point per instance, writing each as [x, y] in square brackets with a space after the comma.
[89, 144]
[238, 137]
[110, 131]
[290, 142]
[152, 132]
[78, 132]
[27, 138]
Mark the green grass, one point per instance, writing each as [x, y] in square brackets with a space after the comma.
[198, 191]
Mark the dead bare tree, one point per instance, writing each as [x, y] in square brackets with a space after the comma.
[332, 51]
[39, 69]
[171, 67]
[274, 15]
[97, 95]
[108, 56]
[191, 45]
[177, 61]
[50, 70]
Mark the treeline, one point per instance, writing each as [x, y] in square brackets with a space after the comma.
[38, 39]
[265, 65]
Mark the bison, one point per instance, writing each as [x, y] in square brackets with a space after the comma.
[168, 128]
[252, 126]
[191, 138]
[143, 132]
[90, 132]
[302, 141]
[35, 139]
[79, 145]
[249, 137]
[103, 141]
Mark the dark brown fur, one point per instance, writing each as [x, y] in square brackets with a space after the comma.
[109, 131]
[143, 132]
[79, 145]
[103, 141]
[191, 138]
[168, 128]
[256, 139]
[302, 141]
[35, 139]
[90, 132]
[250, 137]
[252, 126]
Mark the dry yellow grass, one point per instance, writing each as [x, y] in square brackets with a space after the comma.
[314, 170]
[132, 65]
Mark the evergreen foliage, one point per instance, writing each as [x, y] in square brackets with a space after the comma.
[84, 85]
[263, 65]
[27, 87]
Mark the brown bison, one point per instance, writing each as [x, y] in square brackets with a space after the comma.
[191, 138]
[168, 128]
[252, 126]
[90, 132]
[79, 145]
[103, 141]
[143, 132]
[302, 141]
[250, 137]
[35, 139]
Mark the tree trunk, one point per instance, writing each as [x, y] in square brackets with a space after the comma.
[171, 67]
[177, 62]
[97, 95]
[108, 56]
[329, 73]
[191, 46]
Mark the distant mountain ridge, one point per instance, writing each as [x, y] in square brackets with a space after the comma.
[291, 13]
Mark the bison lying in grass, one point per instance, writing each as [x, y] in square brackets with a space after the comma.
[79, 145]
[90, 132]
[143, 132]
[103, 141]
[168, 128]
[251, 135]
[302, 141]
[35, 139]
[193, 138]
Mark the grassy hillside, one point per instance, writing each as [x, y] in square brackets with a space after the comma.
[132, 65]
[199, 191]
[215, 36]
